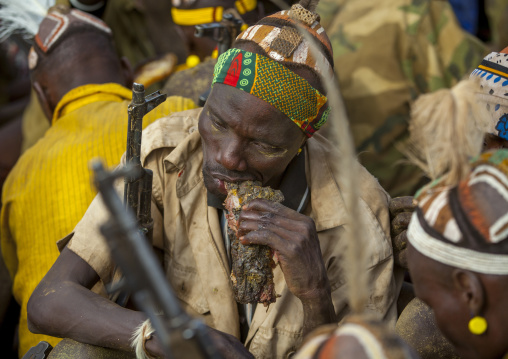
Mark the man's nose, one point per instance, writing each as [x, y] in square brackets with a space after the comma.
[231, 155]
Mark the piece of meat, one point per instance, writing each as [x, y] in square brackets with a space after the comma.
[252, 265]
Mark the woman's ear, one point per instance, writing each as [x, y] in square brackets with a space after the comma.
[471, 290]
[43, 100]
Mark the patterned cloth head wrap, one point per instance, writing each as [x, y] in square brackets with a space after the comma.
[492, 92]
[275, 84]
[466, 226]
[280, 40]
[60, 23]
[374, 338]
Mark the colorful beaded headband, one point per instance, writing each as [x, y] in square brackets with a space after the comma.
[275, 84]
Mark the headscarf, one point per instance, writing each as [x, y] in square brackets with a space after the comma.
[375, 340]
[466, 226]
[60, 23]
[492, 90]
[268, 75]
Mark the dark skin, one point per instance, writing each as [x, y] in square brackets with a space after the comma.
[237, 145]
[90, 59]
[244, 145]
[455, 295]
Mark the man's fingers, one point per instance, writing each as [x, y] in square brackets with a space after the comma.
[402, 204]
[400, 242]
[263, 237]
[400, 223]
[263, 205]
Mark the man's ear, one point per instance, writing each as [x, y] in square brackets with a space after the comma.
[471, 290]
[127, 71]
[43, 100]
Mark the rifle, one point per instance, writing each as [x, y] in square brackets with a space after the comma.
[180, 334]
[138, 187]
[224, 32]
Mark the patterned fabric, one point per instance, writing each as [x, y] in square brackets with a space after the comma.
[386, 54]
[466, 226]
[492, 75]
[374, 340]
[49, 189]
[276, 33]
[275, 84]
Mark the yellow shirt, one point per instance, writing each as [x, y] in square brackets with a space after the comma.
[49, 189]
[195, 256]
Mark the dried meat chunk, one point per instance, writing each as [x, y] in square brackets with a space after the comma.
[252, 265]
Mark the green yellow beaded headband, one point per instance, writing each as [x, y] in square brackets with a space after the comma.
[276, 84]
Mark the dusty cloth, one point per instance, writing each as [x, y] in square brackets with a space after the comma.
[497, 14]
[49, 189]
[386, 54]
[196, 262]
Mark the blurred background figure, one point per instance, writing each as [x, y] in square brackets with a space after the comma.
[387, 53]
[85, 99]
[358, 337]
[458, 256]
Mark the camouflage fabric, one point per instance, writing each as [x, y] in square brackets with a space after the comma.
[497, 14]
[386, 53]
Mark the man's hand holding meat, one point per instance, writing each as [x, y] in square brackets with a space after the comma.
[293, 238]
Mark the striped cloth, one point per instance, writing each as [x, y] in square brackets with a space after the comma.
[466, 226]
[50, 188]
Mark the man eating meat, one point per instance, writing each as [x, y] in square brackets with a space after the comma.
[259, 124]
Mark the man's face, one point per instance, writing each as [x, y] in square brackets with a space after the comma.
[244, 138]
[435, 288]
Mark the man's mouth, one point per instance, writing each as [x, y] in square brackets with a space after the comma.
[220, 181]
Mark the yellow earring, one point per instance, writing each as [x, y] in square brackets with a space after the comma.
[299, 151]
[477, 325]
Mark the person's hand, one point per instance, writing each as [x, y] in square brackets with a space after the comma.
[401, 210]
[293, 238]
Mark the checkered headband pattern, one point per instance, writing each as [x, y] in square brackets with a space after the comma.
[467, 226]
[277, 36]
[275, 84]
[492, 92]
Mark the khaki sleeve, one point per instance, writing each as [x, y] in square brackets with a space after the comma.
[87, 241]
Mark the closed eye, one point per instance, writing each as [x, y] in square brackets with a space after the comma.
[269, 150]
[216, 123]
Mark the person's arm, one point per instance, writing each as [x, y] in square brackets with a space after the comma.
[294, 239]
[63, 305]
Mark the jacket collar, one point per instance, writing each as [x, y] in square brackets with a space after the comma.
[83, 95]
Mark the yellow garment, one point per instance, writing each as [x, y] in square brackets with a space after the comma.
[49, 189]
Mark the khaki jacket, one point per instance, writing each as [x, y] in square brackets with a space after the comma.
[195, 259]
